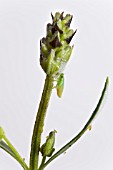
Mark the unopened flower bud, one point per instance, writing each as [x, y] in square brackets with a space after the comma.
[55, 50]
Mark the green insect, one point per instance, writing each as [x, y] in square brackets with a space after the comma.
[60, 85]
[47, 148]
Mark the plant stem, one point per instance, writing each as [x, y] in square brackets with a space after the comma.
[75, 139]
[6, 148]
[39, 123]
[42, 163]
[18, 157]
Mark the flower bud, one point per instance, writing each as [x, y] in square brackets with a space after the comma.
[55, 50]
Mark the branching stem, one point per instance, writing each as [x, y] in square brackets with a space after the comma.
[75, 139]
[16, 154]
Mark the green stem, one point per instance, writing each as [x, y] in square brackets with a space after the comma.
[42, 163]
[39, 123]
[69, 144]
[6, 148]
[16, 154]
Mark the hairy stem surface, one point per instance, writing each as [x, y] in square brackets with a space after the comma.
[39, 123]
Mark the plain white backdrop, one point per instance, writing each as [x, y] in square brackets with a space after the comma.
[22, 24]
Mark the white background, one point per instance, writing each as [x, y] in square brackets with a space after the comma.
[22, 24]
